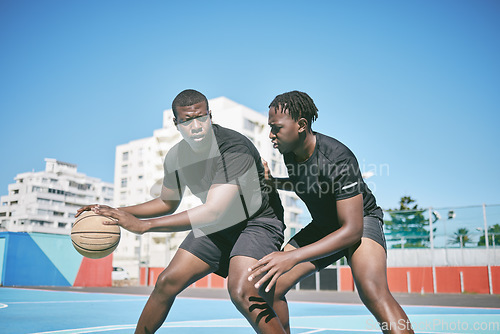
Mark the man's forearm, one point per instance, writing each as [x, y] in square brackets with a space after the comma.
[199, 216]
[150, 209]
[330, 244]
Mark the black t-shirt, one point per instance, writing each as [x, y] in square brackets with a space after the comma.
[232, 159]
[330, 174]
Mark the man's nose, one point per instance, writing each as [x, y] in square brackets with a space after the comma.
[196, 126]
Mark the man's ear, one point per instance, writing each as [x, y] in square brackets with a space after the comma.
[210, 114]
[303, 124]
[175, 121]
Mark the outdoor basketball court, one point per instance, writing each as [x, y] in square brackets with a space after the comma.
[50, 311]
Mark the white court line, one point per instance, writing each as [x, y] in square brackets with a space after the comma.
[79, 301]
[215, 323]
[89, 329]
[208, 298]
[315, 331]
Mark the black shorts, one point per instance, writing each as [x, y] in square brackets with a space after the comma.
[372, 229]
[255, 238]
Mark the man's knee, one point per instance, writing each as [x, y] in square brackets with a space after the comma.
[169, 283]
[373, 291]
[240, 292]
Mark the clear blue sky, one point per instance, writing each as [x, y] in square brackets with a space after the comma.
[412, 86]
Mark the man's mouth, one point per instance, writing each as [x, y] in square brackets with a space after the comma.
[197, 137]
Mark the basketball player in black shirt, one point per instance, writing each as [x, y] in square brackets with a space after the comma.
[237, 224]
[346, 220]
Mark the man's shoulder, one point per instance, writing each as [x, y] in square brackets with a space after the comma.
[224, 133]
[171, 162]
[231, 140]
[332, 149]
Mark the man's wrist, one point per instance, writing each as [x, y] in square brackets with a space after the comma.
[296, 256]
[146, 225]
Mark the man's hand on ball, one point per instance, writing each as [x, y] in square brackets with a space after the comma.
[89, 208]
[121, 218]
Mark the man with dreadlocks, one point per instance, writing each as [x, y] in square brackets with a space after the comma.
[346, 220]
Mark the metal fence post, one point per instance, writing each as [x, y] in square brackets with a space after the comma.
[490, 282]
[434, 285]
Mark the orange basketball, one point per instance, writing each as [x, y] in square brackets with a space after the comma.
[91, 238]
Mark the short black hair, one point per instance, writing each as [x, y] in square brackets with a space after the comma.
[297, 104]
[186, 98]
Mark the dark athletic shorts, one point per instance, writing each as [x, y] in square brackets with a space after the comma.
[254, 238]
[372, 228]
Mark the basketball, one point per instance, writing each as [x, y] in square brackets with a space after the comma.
[91, 238]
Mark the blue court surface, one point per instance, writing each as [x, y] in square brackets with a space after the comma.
[44, 311]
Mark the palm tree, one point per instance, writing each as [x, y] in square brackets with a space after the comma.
[493, 236]
[462, 237]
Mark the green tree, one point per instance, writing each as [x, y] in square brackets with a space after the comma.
[493, 232]
[408, 224]
[461, 237]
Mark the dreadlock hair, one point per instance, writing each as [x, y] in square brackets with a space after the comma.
[186, 98]
[297, 104]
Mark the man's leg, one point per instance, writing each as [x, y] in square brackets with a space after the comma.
[284, 284]
[184, 269]
[368, 263]
[247, 299]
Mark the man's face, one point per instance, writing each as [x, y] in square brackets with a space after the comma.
[194, 124]
[284, 130]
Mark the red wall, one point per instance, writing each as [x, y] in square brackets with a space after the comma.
[95, 272]
[475, 279]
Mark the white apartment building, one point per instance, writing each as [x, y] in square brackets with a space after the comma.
[47, 201]
[139, 174]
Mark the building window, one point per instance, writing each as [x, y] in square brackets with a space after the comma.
[13, 203]
[293, 217]
[58, 214]
[43, 201]
[273, 166]
[123, 195]
[248, 125]
[140, 177]
[290, 201]
[15, 191]
[43, 212]
[125, 156]
[3, 214]
[62, 225]
[124, 183]
[124, 169]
